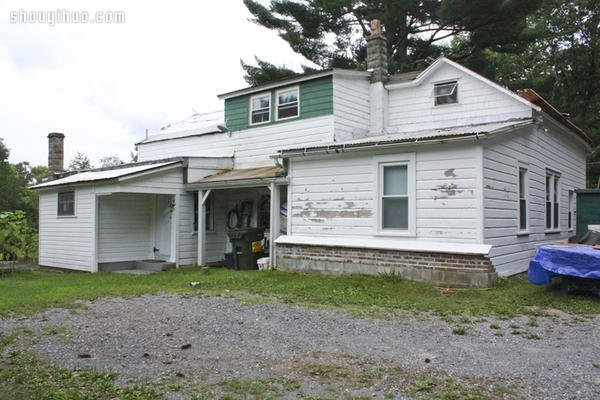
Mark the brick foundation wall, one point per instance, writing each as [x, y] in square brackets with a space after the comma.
[452, 270]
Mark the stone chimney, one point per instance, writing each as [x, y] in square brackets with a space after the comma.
[378, 93]
[56, 153]
[377, 53]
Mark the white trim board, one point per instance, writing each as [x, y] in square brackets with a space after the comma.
[387, 244]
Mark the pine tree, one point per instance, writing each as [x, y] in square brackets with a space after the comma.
[331, 33]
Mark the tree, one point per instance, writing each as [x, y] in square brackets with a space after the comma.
[111, 161]
[79, 162]
[15, 180]
[562, 64]
[332, 33]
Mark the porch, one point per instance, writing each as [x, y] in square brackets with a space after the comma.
[240, 198]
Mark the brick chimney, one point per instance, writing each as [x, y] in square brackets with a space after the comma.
[377, 53]
[378, 93]
[56, 153]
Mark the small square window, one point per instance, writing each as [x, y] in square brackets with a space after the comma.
[66, 203]
[445, 93]
[287, 103]
[260, 108]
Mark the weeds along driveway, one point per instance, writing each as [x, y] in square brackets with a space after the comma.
[218, 347]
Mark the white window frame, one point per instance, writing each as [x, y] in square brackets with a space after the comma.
[277, 104]
[452, 94]
[552, 192]
[523, 167]
[58, 212]
[407, 159]
[264, 94]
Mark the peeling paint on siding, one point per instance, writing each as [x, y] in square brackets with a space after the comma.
[449, 189]
[450, 173]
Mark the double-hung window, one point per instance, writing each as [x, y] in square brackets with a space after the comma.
[260, 108]
[396, 212]
[552, 200]
[523, 212]
[66, 204]
[445, 93]
[287, 103]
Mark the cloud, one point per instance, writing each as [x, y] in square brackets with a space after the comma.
[103, 85]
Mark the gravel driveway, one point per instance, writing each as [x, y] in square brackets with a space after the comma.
[202, 341]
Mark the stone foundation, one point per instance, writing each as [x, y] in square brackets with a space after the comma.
[450, 270]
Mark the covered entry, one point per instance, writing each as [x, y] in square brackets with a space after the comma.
[133, 227]
[254, 195]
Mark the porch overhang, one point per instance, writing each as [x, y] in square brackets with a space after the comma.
[241, 178]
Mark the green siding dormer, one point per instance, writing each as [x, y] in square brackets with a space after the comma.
[316, 99]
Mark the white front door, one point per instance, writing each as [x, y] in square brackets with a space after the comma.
[162, 227]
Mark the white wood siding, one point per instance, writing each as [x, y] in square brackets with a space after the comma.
[536, 150]
[125, 227]
[67, 242]
[411, 108]
[336, 195]
[350, 107]
[252, 147]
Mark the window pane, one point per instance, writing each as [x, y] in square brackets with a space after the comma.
[445, 93]
[522, 183]
[290, 96]
[395, 213]
[548, 215]
[287, 111]
[556, 216]
[395, 180]
[260, 116]
[522, 215]
[260, 102]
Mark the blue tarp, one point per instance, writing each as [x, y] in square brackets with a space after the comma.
[554, 260]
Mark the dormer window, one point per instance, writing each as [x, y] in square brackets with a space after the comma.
[260, 108]
[287, 103]
[445, 93]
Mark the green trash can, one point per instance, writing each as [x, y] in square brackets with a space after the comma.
[246, 246]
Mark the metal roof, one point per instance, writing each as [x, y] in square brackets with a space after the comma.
[295, 79]
[239, 177]
[129, 170]
[195, 125]
[533, 97]
[410, 137]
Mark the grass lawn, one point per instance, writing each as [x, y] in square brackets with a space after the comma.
[25, 376]
[26, 292]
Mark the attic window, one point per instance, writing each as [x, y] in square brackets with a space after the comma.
[445, 93]
[287, 103]
[260, 108]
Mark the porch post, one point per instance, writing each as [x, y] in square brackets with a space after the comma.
[201, 228]
[175, 230]
[275, 221]
[95, 219]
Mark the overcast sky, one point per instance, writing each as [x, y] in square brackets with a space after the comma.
[104, 84]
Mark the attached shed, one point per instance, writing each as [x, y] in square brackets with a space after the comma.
[102, 219]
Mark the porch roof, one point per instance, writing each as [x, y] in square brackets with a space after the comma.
[234, 178]
[120, 173]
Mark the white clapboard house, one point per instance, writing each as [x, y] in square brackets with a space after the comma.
[439, 175]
